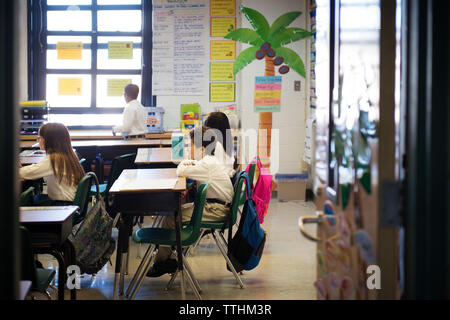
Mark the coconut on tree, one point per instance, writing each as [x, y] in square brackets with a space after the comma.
[267, 43]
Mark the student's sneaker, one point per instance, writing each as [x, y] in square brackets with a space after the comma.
[161, 268]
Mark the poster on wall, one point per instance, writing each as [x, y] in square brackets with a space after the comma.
[115, 87]
[220, 27]
[223, 50]
[69, 86]
[120, 50]
[69, 50]
[180, 33]
[223, 8]
[267, 94]
[222, 92]
[222, 71]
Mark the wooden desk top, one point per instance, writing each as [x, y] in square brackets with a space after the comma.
[46, 215]
[155, 155]
[140, 176]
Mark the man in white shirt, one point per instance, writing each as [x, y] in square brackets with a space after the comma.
[134, 115]
[219, 196]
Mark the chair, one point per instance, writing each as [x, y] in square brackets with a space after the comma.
[82, 196]
[40, 278]
[119, 164]
[251, 176]
[213, 228]
[85, 165]
[26, 197]
[167, 237]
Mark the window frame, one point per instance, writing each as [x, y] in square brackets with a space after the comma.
[37, 55]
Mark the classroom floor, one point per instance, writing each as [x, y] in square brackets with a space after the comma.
[286, 272]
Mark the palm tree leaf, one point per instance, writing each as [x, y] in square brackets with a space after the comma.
[292, 59]
[245, 35]
[244, 58]
[258, 22]
[289, 35]
[282, 22]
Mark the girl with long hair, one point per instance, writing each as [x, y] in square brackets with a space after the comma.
[60, 169]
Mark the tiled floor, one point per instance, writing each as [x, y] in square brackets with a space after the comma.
[287, 269]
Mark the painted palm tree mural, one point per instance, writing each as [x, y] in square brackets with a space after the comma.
[267, 43]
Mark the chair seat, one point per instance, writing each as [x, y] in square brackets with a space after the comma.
[162, 236]
[213, 225]
[102, 189]
[43, 278]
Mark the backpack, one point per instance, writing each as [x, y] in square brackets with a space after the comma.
[92, 237]
[262, 191]
[246, 247]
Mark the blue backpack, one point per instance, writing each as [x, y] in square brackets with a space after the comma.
[246, 247]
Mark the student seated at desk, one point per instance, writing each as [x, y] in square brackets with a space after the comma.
[218, 197]
[134, 125]
[60, 169]
[219, 121]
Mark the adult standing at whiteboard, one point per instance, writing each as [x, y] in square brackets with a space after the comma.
[134, 125]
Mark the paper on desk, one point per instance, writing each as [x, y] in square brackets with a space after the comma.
[148, 184]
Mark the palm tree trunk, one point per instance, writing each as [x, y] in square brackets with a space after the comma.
[265, 123]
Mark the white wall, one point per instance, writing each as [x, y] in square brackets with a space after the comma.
[291, 119]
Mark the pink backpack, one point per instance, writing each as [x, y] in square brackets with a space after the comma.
[262, 191]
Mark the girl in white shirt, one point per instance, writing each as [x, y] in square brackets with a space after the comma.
[224, 146]
[60, 169]
[220, 193]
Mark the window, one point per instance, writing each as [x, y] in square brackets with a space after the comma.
[83, 52]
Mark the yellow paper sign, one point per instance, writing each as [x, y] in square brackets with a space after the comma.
[268, 94]
[69, 50]
[120, 50]
[223, 50]
[221, 92]
[69, 86]
[220, 27]
[115, 87]
[222, 71]
[223, 8]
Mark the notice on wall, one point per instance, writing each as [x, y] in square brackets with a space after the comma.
[267, 94]
[180, 32]
[120, 50]
[221, 92]
[222, 71]
[223, 8]
[69, 50]
[223, 50]
[69, 86]
[220, 27]
[115, 87]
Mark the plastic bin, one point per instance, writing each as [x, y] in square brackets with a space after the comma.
[291, 186]
[155, 117]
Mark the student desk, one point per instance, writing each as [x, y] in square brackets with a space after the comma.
[155, 158]
[50, 227]
[138, 200]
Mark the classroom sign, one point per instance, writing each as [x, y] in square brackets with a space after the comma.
[223, 8]
[223, 50]
[221, 92]
[220, 27]
[120, 50]
[267, 94]
[222, 71]
[69, 86]
[69, 50]
[115, 87]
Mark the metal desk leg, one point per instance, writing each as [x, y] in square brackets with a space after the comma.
[118, 255]
[179, 247]
[69, 255]
[61, 273]
[127, 225]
